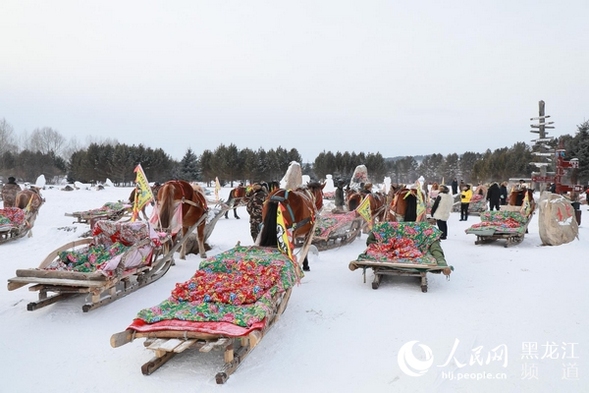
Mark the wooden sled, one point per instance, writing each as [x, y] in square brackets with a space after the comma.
[15, 223]
[147, 258]
[334, 230]
[507, 224]
[113, 211]
[168, 337]
[403, 249]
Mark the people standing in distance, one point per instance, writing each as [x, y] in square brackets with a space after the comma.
[465, 197]
[441, 210]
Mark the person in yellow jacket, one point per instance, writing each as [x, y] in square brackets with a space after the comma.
[465, 196]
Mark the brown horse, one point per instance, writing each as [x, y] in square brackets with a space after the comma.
[516, 198]
[154, 190]
[377, 203]
[181, 206]
[403, 206]
[236, 197]
[30, 200]
[301, 207]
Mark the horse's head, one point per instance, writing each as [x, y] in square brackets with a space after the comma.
[316, 190]
[273, 185]
[299, 211]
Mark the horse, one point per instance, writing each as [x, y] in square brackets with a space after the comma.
[403, 206]
[236, 197]
[301, 205]
[154, 190]
[176, 194]
[517, 196]
[377, 201]
[30, 200]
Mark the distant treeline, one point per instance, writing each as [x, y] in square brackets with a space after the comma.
[115, 161]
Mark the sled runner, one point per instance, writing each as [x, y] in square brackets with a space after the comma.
[229, 304]
[403, 249]
[113, 211]
[14, 223]
[507, 224]
[335, 230]
[120, 258]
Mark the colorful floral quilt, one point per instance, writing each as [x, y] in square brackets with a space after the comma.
[108, 209]
[236, 286]
[333, 223]
[403, 242]
[111, 240]
[11, 217]
[500, 222]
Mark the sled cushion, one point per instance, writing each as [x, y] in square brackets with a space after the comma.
[11, 217]
[329, 223]
[404, 245]
[503, 221]
[113, 241]
[217, 328]
[235, 286]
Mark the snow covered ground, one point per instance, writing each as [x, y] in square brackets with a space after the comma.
[509, 320]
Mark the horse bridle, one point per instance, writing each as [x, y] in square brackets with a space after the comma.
[284, 201]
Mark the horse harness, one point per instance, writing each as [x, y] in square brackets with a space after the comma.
[284, 201]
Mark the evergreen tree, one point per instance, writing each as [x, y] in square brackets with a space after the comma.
[188, 170]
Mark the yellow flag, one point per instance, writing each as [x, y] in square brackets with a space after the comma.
[364, 211]
[284, 243]
[29, 206]
[143, 192]
[421, 207]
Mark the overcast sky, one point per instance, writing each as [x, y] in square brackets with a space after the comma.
[395, 77]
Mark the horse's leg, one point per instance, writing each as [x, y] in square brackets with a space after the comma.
[183, 248]
[306, 264]
[201, 240]
[235, 213]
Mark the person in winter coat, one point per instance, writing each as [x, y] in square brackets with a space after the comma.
[9, 191]
[503, 193]
[454, 186]
[259, 193]
[494, 196]
[339, 196]
[442, 208]
[465, 197]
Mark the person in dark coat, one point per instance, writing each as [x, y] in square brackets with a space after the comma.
[9, 191]
[339, 195]
[454, 186]
[259, 193]
[494, 196]
[503, 193]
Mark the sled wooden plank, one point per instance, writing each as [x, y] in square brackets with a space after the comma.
[167, 345]
[157, 343]
[41, 273]
[15, 285]
[214, 344]
[185, 345]
[57, 281]
[121, 338]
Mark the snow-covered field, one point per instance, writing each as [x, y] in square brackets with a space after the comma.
[509, 320]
